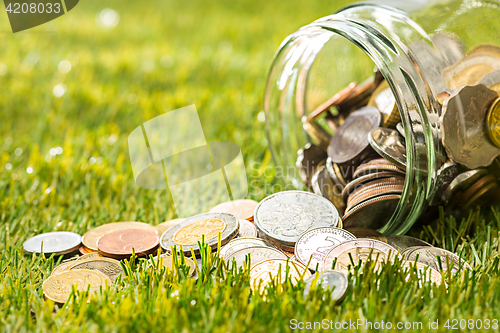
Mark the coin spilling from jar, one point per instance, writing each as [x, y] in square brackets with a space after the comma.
[361, 168]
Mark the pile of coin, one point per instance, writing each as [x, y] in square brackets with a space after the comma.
[361, 167]
[293, 234]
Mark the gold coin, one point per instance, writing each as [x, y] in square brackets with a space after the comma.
[263, 272]
[385, 102]
[192, 233]
[167, 261]
[493, 123]
[242, 209]
[58, 287]
[92, 236]
[109, 267]
[424, 272]
[162, 227]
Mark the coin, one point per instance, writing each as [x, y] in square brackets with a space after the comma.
[121, 243]
[383, 99]
[470, 69]
[436, 258]
[242, 209]
[335, 172]
[479, 189]
[313, 245]
[90, 256]
[359, 96]
[58, 287]
[493, 123]
[444, 177]
[325, 186]
[424, 272]
[389, 144]
[334, 281]
[368, 179]
[92, 236]
[256, 255]
[284, 216]
[309, 159]
[62, 267]
[375, 166]
[492, 81]
[401, 242]
[483, 195]
[167, 261]
[367, 193]
[400, 129]
[57, 242]
[367, 233]
[241, 243]
[247, 229]
[351, 138]
[464, 137]
[110, 267]
[85, 250]
[334, 100]
[317, 133]
[462, 181]
[205, 226]
[359, 250]
[162, 227]
[262, 273]
[373, 213]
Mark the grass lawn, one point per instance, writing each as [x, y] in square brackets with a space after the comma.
[162, 56]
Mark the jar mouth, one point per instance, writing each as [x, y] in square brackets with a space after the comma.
[366, 26]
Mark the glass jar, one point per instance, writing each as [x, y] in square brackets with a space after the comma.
[410, 46]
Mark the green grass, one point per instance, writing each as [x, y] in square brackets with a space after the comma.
[221, 53]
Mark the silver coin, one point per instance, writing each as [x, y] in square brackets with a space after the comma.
[256, 255]
[308, 160]
[241, 243]
[335, 281]
[314, 245]
[57, 242]
[401, 242]
[284, 216]
[247, 229]
[464, 136]
[433, 256]
[230, 231]
[490, 79]
[373, 213]
[462, 181]
[359, 250]
[389, 144]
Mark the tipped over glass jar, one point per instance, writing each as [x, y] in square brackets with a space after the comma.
[387, 109]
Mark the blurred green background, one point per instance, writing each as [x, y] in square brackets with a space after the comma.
[80, 85]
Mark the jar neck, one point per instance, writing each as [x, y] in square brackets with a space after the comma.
[391, 39]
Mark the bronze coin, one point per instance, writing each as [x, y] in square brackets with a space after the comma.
[367, 233]
[352, 137]
[123, 242]
[358, 182]
[85, 250]
[92, 236]
[334, 100]
[376, 184]
[359, 97]
[373, 213]
[365, 195]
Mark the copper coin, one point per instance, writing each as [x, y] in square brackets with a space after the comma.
[373, 213]
[481, 183]
[334, 100]
[487, 194]
[358, 182]
[367, 233]
[376, 184]
[365, 195]
[92, 236]
[123, 242]
[352, 137]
